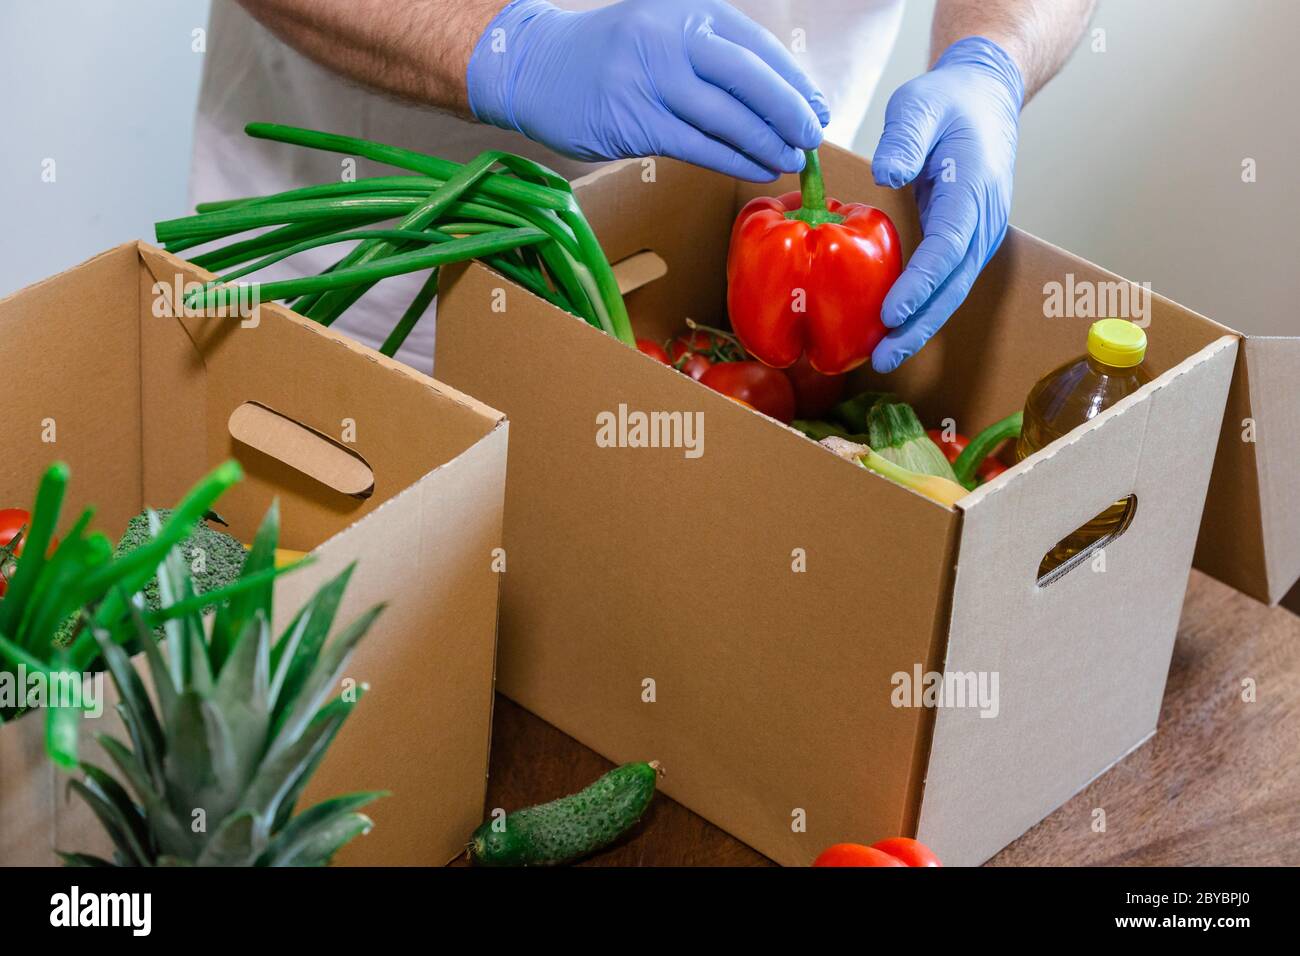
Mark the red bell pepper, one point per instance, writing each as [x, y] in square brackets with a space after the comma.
[808, 274]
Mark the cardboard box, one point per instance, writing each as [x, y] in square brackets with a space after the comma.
[748, 615]
[370, 461]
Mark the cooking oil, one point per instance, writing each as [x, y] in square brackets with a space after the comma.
[1075, 393]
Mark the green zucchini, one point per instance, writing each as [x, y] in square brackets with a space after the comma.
[569, 828]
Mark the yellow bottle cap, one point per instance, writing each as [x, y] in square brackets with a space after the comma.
[1117, 342]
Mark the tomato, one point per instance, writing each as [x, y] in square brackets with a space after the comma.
[815, 394]
[693, 341]
[896, 851]
[855, 854]
[989, 468]
[764, 388]
[693, 364]
[951, 447]
[716, 346]
[654, 350]
[689, 343]
[693, 353]
[911, 852]
[12, 521]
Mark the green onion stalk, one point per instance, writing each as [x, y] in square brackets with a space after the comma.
[511, 213]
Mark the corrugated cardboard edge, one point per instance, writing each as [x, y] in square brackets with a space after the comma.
[980, 849]
[1274, 365]
[154, 259]
[472, 455]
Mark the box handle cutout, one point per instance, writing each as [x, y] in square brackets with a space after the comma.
[302, 448]
[1058, 562]
[639, 269]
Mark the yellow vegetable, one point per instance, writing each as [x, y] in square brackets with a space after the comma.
[283, 556]
[940, 489]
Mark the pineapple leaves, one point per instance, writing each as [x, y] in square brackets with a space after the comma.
[201, 769]
[340, 706]
[284, 773]
[238, 842]
[174, 587]
[226, 725]
[135, 706]
[241, 695]
[129, 766]
[115, 818]
[215, 771]
[327, 840]
[324, 675]
[234, 615]
[311, 832]
[318, 615]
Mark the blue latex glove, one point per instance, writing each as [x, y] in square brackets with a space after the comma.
[692, 79]
[953, 130]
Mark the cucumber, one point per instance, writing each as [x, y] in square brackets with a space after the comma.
[569, 828]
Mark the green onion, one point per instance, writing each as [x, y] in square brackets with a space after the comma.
[456, 250]
[515, 215]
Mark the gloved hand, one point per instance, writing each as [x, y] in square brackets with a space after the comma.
[692, 79]
[954, 131]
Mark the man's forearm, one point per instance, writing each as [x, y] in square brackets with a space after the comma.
[1038, 34]
[418, 50]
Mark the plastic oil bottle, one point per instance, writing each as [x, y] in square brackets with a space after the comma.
[1075, 393]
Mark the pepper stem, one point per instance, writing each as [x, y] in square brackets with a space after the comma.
[813, 209]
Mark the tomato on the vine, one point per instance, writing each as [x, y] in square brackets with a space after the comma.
[760, 386]
[693, 364]
[654, 350]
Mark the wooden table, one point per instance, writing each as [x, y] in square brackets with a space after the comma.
[1219, 783]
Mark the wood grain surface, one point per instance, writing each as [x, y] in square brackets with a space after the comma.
[1218, 785]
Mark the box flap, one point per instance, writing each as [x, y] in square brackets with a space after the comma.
[1080, 662]
[206, 369]
[1250, 534]
[56, 338]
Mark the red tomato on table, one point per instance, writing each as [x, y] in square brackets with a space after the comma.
[896, 851]
[911, 852]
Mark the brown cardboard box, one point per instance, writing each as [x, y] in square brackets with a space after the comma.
[747, 615]
[144, 404]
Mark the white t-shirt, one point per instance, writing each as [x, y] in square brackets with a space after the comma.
[250, 75]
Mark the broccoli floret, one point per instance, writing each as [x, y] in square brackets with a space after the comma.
[215, 558]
